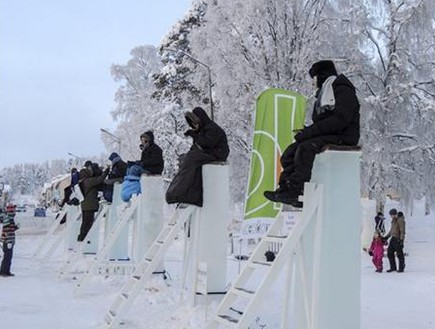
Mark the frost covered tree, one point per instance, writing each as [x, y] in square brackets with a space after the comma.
[400, 83]
[137, 111]
[249, 46]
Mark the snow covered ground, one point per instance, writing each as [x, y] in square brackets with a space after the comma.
[38, 297]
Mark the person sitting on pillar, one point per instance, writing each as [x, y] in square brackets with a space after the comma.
[209, 145]
[90, 183]
[116, 175]
[335, 121]
[152, 156]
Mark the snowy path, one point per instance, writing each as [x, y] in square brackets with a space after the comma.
[38, 298]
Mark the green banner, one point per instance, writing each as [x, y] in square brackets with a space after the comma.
[279, 112]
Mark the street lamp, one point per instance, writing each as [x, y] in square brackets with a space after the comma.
[75, 156]
[208, 71]
[77, 162]
[116, 138]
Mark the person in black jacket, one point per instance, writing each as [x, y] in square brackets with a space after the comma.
[116, 175]
[152, 155]
[335, 121]
[209, 145]
[91, 181]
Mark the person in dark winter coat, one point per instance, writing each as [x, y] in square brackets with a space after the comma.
[91, 182]
[379, 223]
[152, 155]
[395, 246]
[335, 121]
[209, 145]
[68, 191]
[116, 175]
[8, 239]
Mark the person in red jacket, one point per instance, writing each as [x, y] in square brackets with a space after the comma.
[376, 250]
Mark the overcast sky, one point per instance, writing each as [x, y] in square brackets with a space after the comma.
[56, 87]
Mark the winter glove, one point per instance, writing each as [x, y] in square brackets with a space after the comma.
[370, 253]
[9, 245]
[190, 133]
[299, 136]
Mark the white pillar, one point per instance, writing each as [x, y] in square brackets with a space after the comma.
[119, 250]
[149, 219]
[72, 226]
[334, 289]
[213, 235]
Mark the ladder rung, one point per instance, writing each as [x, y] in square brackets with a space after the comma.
[258, 264]
[124, 295]
[226, 318]
[276, 239]
[243, 292]
[137, 277]
[160, 242]
[112, 313]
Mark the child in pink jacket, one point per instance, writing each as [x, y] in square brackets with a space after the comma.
[377, 251]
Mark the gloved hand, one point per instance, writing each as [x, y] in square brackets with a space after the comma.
[9, 245]
[401, 243]
[300, 136]
[371, 253]
[190, 132]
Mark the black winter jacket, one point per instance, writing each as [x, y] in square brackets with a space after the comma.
[210, 137]
[343, 120]
[152, 157]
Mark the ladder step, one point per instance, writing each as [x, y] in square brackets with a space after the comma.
[243, 292]
[137, 277]
[258, 264]
[227, 319]
[276, 239]
[124, 295]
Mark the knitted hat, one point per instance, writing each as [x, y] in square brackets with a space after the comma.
[322, 68]
[10, 208]
[113, 156]
[393, 212]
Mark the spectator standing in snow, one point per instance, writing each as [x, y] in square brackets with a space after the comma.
[379, 223]
[376, 250]
[8, 239]
[397, 234]
[335, 121]
[209, 144]
[91, 181]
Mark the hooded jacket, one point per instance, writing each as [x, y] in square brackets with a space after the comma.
[152, 156]
[342, 121]
[90, 185]
[210, 137]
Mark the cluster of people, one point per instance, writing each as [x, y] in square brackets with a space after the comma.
[335, 121]
[396, 235]
[209, 145]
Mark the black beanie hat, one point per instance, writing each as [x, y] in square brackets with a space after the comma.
[393, 212]
[88, 163]
[322, 68]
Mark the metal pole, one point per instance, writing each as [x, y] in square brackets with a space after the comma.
[116, 138]
[208, 71]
